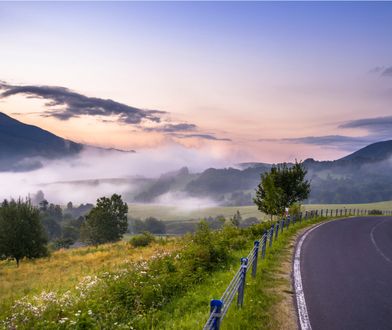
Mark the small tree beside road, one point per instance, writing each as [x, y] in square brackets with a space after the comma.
[281, 187]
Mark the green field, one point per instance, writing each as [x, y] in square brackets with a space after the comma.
[167, 213]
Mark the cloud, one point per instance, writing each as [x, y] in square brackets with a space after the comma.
[80, 178]
[171, 128]
[200, 136]
[65, 104]
[387, 72]
[377, 125]
[378, 128]
[332, 141]
[377, 69]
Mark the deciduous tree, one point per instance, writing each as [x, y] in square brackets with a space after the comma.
[106, 222]
[21, 232]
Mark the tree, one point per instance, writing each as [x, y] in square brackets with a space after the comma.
[281, 187]
[236, 219]
[106, 222]
[21, 232]
[154, 226]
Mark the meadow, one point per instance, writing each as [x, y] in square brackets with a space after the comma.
[178, 213]
[66, 268]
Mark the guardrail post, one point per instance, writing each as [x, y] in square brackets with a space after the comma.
[241, 288]
[277, 229]
[306, 215]
[281, 225]
[264, 244]
[341, 212]
[216, 309]
[271, 235]
[255, 257]
[300, 217]
[345, 212]
[316, 214]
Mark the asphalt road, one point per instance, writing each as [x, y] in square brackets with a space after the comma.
[346, 269]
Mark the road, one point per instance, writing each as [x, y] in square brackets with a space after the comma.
[346, 270]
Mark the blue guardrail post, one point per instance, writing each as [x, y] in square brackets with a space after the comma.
[241, 288]
[216, 308]
[277, 229]
[264, 242]
[256, 255]
[281, 225]
[271, 232]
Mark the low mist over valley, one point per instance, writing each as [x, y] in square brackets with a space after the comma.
[188, 178]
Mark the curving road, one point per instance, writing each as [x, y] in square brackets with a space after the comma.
[346, 271]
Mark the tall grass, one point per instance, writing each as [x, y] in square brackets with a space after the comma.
[65, 268]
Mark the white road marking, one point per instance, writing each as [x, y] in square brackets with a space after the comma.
[375, 244]
[299, 292]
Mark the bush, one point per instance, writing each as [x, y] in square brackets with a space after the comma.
[375, 212]
[142, 239]
[295, 210]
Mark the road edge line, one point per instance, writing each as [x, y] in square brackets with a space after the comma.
[302, 310]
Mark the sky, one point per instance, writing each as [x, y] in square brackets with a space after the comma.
[240, 81]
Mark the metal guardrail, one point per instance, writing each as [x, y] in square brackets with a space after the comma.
[220, 307]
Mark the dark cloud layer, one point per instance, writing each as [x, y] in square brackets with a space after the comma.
[200, 136]
[387, 72]
[375, 125]
[65, 104]
[331, 141]
[171, 128]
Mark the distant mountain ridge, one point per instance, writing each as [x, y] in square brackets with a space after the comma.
[19, 142]
[23, 146]
[363, 176]
[378, 151]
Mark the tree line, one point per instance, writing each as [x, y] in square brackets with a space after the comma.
[25, 229]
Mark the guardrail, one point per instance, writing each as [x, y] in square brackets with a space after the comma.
[220, 307]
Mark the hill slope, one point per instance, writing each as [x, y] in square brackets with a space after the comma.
[19, 142]
[374, 152]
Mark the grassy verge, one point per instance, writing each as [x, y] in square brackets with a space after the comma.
[268, 297]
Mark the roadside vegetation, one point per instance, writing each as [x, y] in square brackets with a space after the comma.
[132, 293]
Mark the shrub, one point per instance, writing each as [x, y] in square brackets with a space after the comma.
[142, 239]
[295, 210]
[375, 212]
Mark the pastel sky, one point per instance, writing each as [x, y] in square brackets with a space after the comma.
[246, 81]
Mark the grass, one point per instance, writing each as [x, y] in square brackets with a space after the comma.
[65, 268]
[265, 296]
[174, 213]
[186, 309]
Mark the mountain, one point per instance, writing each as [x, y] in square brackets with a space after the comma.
[361, 177]
[22, 145]
[375, 152]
